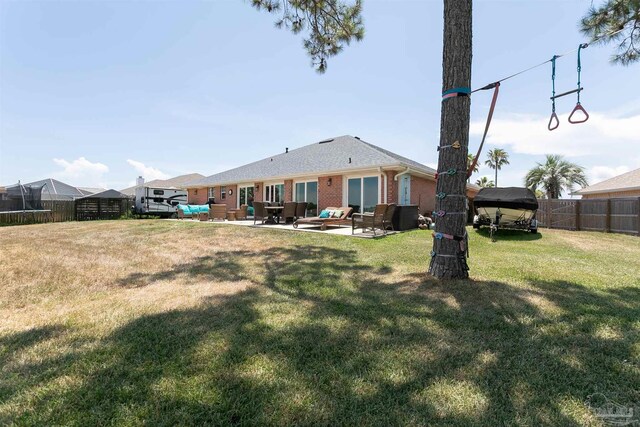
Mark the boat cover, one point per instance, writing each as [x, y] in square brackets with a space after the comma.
[506, 197]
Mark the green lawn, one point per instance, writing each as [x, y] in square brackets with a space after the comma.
[181, 323]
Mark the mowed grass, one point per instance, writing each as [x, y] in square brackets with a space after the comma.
[180, 323]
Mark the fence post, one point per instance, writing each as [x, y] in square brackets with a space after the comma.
[577, 211]
[607, 227]
[549, 213]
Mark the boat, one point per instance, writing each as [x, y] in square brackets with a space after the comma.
[506, 207]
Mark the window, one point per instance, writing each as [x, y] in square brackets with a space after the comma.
[308, 192]
[223, 192]
[158, 200]
[274, 193]
[363, 193]
[158, 192]
[212, 192]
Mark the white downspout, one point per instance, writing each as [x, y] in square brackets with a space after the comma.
[385, 184]
[406, 171]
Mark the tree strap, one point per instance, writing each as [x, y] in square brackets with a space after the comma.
[450, 172]
[441, 195]
[442, 213]
[496, 89]
[456, 91]
[456, 146]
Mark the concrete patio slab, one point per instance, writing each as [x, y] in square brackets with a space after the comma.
[335, 230]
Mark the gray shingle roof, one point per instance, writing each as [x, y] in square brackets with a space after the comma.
[107, 194]
[175, 182]
[626, 181]
[339, 154]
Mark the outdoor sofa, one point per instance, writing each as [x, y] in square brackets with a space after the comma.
[191, 211]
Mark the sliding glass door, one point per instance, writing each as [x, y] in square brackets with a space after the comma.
[308, 192]
[363, 193]
[245, 195]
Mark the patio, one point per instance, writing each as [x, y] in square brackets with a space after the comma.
[336, 230]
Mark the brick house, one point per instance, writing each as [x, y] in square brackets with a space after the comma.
[338, 171]
[625, 185]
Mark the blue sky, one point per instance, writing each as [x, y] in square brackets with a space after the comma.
[95, 93]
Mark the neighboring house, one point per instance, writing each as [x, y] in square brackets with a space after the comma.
[176, 182]
[625, 185]
[338, 171]
[57, 190]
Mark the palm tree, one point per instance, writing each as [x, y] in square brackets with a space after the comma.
[485, 182]
[476, 168]
[555, 175]
[497, 158]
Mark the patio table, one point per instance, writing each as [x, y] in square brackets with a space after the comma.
[274, 211]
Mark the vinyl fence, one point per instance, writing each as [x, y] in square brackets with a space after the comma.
[608, 215]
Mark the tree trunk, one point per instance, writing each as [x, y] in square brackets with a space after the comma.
[496, 182]
[448, 259]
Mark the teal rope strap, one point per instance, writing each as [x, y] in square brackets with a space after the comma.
[456, 91]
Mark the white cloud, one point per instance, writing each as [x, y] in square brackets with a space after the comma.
[600, 173]
[80, 172]
[527, 134]
[147, 172]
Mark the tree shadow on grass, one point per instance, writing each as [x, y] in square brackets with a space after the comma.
[325, 339]
[509, 235]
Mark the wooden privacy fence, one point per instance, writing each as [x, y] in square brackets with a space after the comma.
[95, 208]
[53, 211]
[67, 210]
[609, 215]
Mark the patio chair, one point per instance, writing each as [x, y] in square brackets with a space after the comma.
[301, 209]
[387, 220]
[289, 211]
[218, 211]
[371, 221]
[259, 212]
[325, 222]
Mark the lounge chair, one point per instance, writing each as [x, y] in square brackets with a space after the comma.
[218, 211]
[289, 211]
[324, 222]
[371, 221]
[259, 212]
[301, 210]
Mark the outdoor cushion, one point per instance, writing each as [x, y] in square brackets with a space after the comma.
[325, 214]
[337, 213]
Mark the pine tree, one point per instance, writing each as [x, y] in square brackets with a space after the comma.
[601, 22]
[448, 258]
[331, 24]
